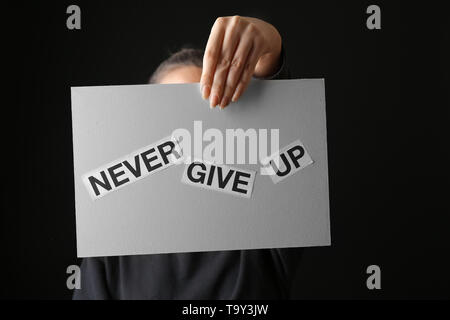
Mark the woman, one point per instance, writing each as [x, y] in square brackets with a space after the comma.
[238, 49]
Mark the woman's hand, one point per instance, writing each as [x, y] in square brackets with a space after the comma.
[238, 48]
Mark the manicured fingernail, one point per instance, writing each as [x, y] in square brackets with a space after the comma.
[214, 101]
[205, 92]
[224, 103]
[235, 97]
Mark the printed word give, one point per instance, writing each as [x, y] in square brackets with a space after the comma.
[219, 178]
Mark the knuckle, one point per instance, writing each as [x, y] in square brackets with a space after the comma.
[206, 78]
[234, 26]
[253, 29]
[224, 63]
[210, 54]
[220, 21]
[237, 64]
[235, 20]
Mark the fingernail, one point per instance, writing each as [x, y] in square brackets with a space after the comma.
[214, 101]
[205, 92]
[224, 103]
[235, 97]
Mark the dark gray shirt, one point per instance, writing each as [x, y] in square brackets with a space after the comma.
[242, 274]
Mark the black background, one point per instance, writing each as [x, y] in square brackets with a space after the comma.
[387, 116]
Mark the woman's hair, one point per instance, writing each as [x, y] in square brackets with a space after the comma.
[184, 57]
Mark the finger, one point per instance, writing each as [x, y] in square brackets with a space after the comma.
[237, 66]
[212, 54]
[247, 73]
[230, 43]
